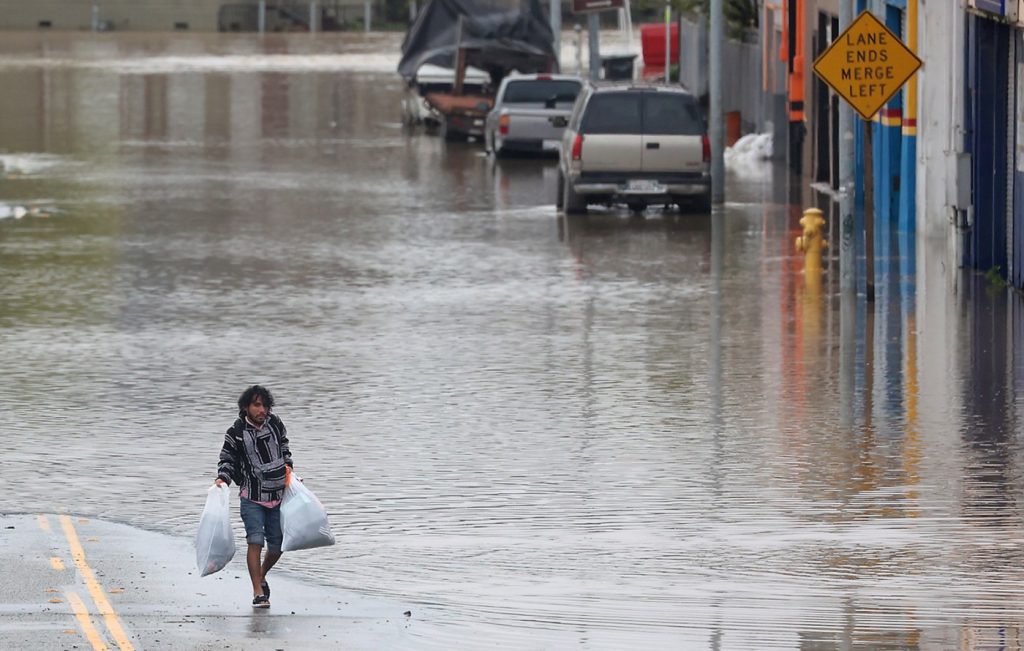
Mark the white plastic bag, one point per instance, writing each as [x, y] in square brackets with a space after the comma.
[215, 542]
[303, 519]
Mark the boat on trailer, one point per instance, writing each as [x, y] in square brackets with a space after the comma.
[493, 37]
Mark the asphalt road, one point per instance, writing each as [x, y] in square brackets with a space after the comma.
[76, 583]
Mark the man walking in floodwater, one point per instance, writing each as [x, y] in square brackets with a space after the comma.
[256, 457]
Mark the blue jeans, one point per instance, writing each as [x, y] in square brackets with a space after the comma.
[261, 524]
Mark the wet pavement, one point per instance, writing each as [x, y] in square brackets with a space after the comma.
[533, 431]
[122, 588]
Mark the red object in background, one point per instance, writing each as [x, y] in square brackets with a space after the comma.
[652, 44]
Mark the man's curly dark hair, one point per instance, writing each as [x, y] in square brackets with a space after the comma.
[253, 392]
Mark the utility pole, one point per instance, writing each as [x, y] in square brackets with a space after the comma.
[847, 164]
[556, 30]
[579, 49]
[717, 130]
[679, 43]
[593, 25]
[626, 23]
[668, 40]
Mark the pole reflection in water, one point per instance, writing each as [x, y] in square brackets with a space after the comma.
[912, 450]
[718, 217]
[848, 305]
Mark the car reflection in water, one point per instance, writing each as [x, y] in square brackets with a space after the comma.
[523, 182]
[613, 242]
[530, 182]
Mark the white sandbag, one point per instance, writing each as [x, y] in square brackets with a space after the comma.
[215, 541]
[303, 519]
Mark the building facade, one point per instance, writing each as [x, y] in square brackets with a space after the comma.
[971, 168]
[947, 150]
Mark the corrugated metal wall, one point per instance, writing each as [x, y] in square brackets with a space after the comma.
[1017, 163]
[741, 87]
[988, 121]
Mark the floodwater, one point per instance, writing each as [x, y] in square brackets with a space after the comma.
[534, 432]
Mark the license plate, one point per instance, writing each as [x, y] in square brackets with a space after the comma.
[644, 186]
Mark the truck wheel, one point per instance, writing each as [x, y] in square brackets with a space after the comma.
[572, 203]
[561, 190]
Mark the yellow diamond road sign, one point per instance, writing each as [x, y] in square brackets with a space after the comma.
[867, 64]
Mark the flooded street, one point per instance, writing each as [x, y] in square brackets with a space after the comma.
[598, 432]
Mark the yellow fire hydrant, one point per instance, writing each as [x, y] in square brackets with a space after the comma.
[811, 243]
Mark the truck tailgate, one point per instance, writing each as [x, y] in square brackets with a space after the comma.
[668, 153]
[533, 124]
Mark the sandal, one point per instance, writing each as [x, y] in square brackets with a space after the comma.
[261, 601]
[266, 588]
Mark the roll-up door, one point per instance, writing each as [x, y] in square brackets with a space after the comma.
[989, 58]
[1017, 160]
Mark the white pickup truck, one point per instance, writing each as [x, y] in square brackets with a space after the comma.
[635, 144]
[530, 112]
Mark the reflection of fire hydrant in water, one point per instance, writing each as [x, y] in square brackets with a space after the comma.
[811, 243]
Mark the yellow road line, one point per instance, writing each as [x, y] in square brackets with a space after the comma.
[44, 524]
[95, 589]
[88, 629]
[56, 563]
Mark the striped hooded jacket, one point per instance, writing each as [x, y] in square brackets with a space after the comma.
[255, 457]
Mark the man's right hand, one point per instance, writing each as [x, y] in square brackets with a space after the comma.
[219, 482]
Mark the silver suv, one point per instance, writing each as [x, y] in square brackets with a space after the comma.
[634, 144]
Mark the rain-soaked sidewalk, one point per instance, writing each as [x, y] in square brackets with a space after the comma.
[78, 583]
